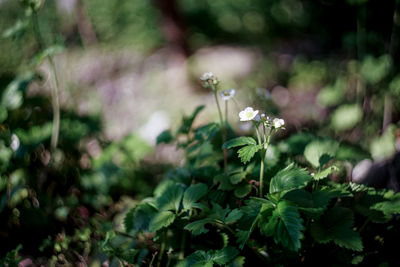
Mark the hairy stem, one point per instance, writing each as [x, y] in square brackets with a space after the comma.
[223, 129]
[55, 88]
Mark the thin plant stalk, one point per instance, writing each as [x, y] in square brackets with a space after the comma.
[264, 145]
[262, 161]
[55, 88]
[225, 153]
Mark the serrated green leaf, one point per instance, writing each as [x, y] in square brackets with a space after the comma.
[224, 255]
[139, 217]
[170, 198]
[289, 178]
[250, 218]
[389, 208]
[319, 151]
[336, 225]
[218, 213]
[187, 121]
[197, 227]
[313, 204]
[239, 141]
[162, 219]
[246, 153]
[207, 131]
[192, 194]
[233, 216]
[285, 225]
[242, 190]
[325, 173]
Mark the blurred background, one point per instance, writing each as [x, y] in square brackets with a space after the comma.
[128, 70]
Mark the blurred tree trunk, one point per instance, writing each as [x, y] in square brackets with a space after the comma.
[394, 52]
[173, 27]
[84, 24]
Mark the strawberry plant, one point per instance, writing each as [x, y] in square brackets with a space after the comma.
[283, 203]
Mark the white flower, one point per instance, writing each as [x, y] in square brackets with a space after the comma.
[227, 94]
[207, 76]
[14, 142]
[248, 114]
[278, 123]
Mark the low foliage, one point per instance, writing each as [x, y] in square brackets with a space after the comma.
[201, 215]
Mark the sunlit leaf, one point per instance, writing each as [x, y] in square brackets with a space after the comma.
[239, 141]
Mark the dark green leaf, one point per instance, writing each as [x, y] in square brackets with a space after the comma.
[138, 218]
[207, 131]
[285, 225]
[242, 190]
[224, 255]
[170, 198]
[197, 227]
[313, 204]
[233, 216]
[164, 137]
[160, 220]
[336, 225]
[224, 182]
[193, 194]
[188, 121]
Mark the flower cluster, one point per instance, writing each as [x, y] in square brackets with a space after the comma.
[209, 80]
[249, 114]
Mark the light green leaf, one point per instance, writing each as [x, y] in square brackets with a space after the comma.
[239, 141]
[389, 208]
[325, 173]
[193, 194]
[373, 70]
[237, 176]
[237, 262]
[289, 178]
[333, 94]
[162, 219]
[320, 151]
[346, 117]
[247, 152]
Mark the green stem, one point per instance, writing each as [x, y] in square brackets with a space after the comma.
[263, 153]
[261, 179]
[161, 251]
[223, 129]
[55, 88]
[183, 243]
